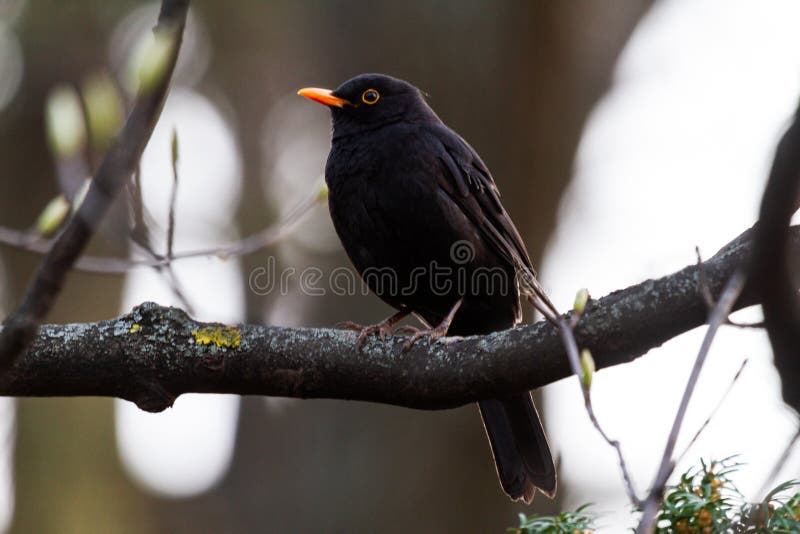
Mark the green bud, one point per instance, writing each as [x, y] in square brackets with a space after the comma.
[66, 129]
[149, 60]
[587, 368]
[52, 216]
[322, 191]
[174, 146]
[581, 298]
[103, 108]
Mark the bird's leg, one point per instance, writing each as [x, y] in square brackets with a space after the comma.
[383, 328]
[432, 334]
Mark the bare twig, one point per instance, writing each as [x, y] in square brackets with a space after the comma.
[719, 314]
[142, 240]
[25, 239]
[114, 171]
[136, 202]
[173, 195]
[709, 299]
[141, 235]
[265, 238]
[571, 346]
[713, 412]
[787, 451]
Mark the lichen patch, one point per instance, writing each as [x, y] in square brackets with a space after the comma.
[221, 336]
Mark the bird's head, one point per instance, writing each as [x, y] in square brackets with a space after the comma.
[369, 101]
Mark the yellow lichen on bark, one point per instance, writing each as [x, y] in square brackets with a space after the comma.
[222, 336]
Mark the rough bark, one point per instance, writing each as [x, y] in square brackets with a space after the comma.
[153, 354]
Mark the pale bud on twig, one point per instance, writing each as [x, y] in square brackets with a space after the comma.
[52, 216]
[581, 298]
[149, 60]
[322, 191]
[174, 146]
[103, 108]
[587, 368]
[66, 129]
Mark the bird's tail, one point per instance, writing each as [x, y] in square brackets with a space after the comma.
[519, 446]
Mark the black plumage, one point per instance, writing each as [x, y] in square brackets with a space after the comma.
[419, 215]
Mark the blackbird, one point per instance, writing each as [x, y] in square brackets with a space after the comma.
[420, 217]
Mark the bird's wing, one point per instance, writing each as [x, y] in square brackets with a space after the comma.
[471, 186]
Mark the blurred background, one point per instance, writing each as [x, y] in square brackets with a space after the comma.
[620, 134]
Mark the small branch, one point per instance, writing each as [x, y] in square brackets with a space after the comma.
[265, 238]
[154, 362]
[713, 412]
[709, 298]
[787, 451]
[568, 338]
[114, 171]
[719, 315]
[173, 196]
[140, 233]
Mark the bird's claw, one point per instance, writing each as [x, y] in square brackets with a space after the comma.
[433, 334]
[383, 329]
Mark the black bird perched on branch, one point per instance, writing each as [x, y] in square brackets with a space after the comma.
[420, 217]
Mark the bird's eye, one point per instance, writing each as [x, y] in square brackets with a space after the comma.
[370, 96]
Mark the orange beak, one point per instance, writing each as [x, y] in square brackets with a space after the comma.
[323, 96]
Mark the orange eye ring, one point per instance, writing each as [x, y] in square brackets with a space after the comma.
[370, 96]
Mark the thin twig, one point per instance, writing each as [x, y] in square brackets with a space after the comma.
[265, 238]
[717, 318]
[142, 240]
[571, 346]
[705, 291]
[173, 195]
[136, 200]
[780, 463]
[713, 412]
[141, 235]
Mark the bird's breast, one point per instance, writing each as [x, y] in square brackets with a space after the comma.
[405, 235]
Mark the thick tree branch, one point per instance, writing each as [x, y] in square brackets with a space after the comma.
[150, 356]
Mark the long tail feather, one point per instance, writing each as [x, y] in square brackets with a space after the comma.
[519, 446]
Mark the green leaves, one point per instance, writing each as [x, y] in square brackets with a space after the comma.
[577, 522]
[705, 501]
